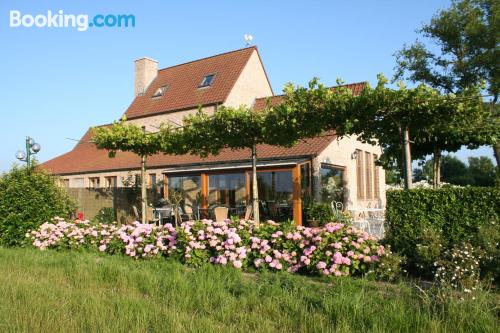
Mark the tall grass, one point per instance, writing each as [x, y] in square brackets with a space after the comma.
[77, 291]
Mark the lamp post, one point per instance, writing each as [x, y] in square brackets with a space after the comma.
[32, 148]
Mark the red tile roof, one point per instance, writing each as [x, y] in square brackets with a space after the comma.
[85, 157]
[182, 92]
[260, 103]
[182, 83]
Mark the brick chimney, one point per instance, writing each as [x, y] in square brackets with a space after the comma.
[145, 72]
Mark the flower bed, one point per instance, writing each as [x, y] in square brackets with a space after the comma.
[335, 249]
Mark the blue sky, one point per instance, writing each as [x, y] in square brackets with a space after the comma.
[59, 82]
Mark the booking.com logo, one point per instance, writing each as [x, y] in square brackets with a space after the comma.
[80, 22]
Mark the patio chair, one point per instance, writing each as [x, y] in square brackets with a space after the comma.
[337, 206]
[362, 225]
[221, 213]
[136, 213]
[248, 212]
[376, 222]
[188, 213]
[151, 216]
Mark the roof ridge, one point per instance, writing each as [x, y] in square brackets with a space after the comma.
[212, 56]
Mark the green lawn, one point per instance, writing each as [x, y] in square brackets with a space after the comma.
[73, 291]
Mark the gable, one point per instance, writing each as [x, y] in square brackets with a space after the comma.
[252, 83]
[181, 84]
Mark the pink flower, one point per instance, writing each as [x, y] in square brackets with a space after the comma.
[237, 264]
[337, 258]
[102, 248]
[222, 260]
[321, 265]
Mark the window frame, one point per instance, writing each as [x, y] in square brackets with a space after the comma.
[162, 90]
[210, 83]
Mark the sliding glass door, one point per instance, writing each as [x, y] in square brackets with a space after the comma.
[228, 190]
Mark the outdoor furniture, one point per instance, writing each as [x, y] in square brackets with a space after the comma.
[136, 213]
[337, 206]
[221, 213]
[162, 213]
[248, 212]
[188, 213]
[151, 216]
[371, 220]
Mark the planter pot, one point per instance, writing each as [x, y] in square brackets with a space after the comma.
[313, 223]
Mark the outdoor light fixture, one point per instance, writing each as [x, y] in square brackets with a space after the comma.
[32, 148]
[354, 155]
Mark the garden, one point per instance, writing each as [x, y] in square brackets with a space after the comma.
[435, 270]
[425, 275]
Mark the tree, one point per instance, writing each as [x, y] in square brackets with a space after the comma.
[482, 171]
[467, 35]
[28, 198]
[422, 118]
[203, 134]
[123, 136]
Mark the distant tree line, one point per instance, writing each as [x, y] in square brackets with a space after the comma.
[479, 171]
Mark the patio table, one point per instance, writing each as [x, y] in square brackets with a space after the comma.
[369, 222]
[162, 213]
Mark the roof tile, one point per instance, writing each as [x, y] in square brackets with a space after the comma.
[183, 81]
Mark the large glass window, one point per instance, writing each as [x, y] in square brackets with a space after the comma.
[305, 180]
[276, 194]
[332, 183]
[227, 190]
[189, 186]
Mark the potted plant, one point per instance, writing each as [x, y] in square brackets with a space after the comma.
[319, 214]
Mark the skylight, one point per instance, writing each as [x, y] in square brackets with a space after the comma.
[160, 91]
[207, 81]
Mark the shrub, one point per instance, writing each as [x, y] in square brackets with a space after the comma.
[429, 250]
[488, 242]
[105, 215]
[321, 212]
[390, 267]
[335, 249]
[459, 268]
[28, 198]
[454, 214]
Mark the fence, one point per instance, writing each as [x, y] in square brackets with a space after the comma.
[121, 199]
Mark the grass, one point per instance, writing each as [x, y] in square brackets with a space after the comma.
[87, 292]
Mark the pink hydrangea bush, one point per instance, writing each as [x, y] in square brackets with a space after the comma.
[139, 240]
[335, 249]
[60, 234]
[340, 250]
[215, 242]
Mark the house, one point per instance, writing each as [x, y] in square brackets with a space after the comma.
[324, 168]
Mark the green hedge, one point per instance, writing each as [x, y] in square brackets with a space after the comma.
[454, 214]
[28, 198]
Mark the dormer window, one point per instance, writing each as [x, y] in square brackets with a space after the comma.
[207, 81]
[160, 92]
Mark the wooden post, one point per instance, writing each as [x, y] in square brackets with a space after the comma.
[255, 190]
[165, 187]
[204, 191]
[436, 164]
[297, 201]
[407, 160]
[144, 202]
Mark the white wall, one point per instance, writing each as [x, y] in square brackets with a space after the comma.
[339, 153]
[251, 84]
